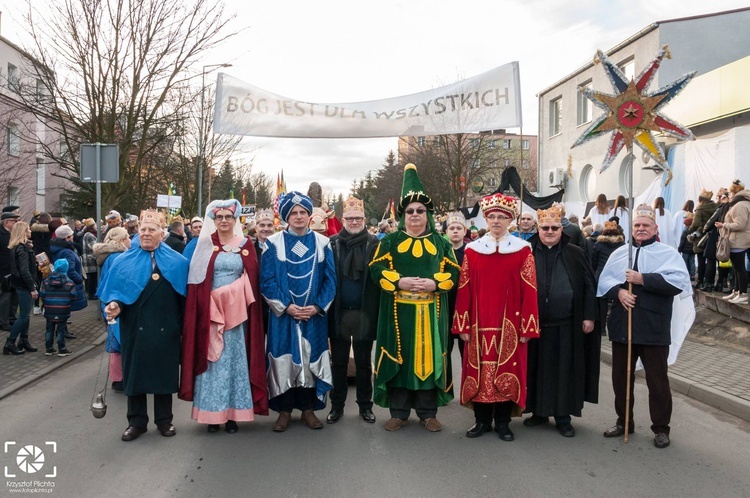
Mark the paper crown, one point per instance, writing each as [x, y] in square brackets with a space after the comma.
[644, 211]
[352, 204]
[499, 202]
[155, 217]
[412, 190]
[265, 214]
[706, 194]
[551, 215]
[455, 218]
[610, 226]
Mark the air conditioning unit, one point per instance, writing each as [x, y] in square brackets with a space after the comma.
[556, 177]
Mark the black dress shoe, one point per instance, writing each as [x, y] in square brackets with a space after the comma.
[504, 432]
[566, 429]
[167, 430]
[478, 429]
[535, 420]
[367, 416]
[231, 427]
[213, 427]
[133, 432]
[617, 431]
[334, 415]
[661, 440]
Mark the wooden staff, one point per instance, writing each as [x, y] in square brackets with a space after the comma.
[630, 158]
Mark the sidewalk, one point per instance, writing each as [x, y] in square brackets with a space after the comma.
[716, 375]
[20, 371]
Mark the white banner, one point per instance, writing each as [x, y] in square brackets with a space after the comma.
[169, 201]
[489, 101]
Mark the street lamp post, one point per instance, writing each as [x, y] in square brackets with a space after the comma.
[201, 141]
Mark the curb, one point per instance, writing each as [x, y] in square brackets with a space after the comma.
[700, 392]
[47, 370]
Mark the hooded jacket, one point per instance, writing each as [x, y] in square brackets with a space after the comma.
[737, 220]
[58, 292]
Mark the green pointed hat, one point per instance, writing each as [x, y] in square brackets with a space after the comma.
[412, 190]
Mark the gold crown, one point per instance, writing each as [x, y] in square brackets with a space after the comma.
[354, 204]
[499, 202]
[455, 218]
[644, 211]
[264, 214]
[155, 217]
[610, 225]
[551, 215]
[706, 194]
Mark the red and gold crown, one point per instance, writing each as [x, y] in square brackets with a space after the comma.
[551, 215]
[498, 202]
[352, 204]
[155, 217]
[644, 211]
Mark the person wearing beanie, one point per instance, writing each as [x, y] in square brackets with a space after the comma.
[58, 292]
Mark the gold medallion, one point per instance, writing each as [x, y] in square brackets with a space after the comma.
[244, 252]
[216, 248]
[155, 276]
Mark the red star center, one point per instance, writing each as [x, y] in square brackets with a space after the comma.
[631, 114]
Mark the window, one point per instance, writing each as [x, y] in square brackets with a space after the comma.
[555, 116]
[41, 92]
[508, 163]
[585, 106]
[473, 143]
[41, 176]
[492, 144]
[587, 184]
[525, 144]
[436, 140]
[421, 141]
[13, 78]
[491, 182]
[628, 68]
[507, 144]
[476, 164]
[13, 196]
[13, 140]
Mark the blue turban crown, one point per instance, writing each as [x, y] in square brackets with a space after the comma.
[292, 199]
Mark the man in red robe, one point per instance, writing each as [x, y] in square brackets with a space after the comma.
[496, 314]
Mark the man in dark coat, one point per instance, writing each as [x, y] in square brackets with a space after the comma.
[176, 238]
[353, 318]
[650, 291]
[145, 287]
[564, 362]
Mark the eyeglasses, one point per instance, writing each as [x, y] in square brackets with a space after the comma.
[547, 229]
[418, 211]
[492, 217]
[222, 217]
[354, 219]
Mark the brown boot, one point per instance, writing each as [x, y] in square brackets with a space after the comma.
[394, 424]
[431, 424]
[310, 420]
[282, 423]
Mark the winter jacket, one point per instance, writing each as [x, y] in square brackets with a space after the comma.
[737, 220]
[58, 292]
[603, 249]
[23, 268]
[701, 215]
[87, 256]
[61, 248]
[41, 237]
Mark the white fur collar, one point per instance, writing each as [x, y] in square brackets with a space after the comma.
[507, 244]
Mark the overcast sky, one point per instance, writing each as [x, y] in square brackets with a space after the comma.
[344, 51]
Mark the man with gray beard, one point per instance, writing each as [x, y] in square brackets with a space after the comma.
[353, 318]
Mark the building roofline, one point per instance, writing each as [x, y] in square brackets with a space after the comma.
[636, 36]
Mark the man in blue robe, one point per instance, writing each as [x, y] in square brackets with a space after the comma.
[298, 280]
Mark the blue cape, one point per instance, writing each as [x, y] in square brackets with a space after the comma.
[131, 271]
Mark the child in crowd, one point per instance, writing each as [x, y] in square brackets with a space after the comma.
[58, 292]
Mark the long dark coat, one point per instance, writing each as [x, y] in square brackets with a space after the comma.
[368, 315]
[150, 331]
[547, 393]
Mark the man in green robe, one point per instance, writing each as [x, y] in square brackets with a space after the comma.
[415, 267]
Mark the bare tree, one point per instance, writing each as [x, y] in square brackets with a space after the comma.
[107, 71]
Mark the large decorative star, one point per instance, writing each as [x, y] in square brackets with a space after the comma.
[632, 114]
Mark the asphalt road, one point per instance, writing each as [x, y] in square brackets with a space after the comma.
[709, 454]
